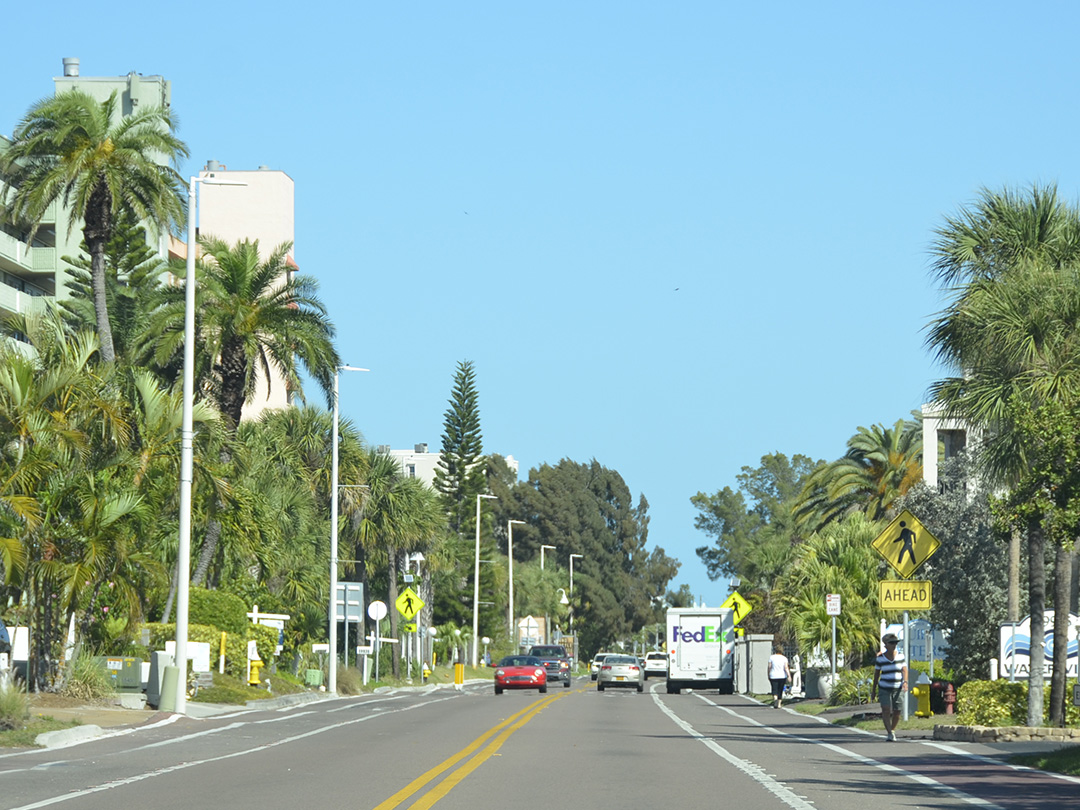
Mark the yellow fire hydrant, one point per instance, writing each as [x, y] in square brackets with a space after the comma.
[253, 678]
[921, 691]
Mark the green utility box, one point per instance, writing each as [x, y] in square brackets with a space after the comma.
[313, 677]
[125, 673]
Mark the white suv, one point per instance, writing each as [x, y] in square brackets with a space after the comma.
[656, 663]
[594, 667]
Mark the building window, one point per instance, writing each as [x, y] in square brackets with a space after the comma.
[411, 470]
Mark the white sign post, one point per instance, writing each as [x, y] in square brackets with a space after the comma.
[377, 611]
[832, 608]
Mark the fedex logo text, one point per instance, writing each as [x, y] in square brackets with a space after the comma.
[704, 634]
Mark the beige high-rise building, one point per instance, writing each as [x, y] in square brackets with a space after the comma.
[262, 209]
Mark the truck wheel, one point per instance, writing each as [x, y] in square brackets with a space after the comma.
[727, 687]
[672, 689]
[566, 684]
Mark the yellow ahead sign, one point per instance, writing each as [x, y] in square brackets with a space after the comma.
[906, 544]
[899, 595]
[739, 605]
[408, 603]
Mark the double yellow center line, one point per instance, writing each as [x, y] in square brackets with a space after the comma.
[501, 734]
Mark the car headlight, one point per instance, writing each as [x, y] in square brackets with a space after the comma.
[538, 674]
[499, 673]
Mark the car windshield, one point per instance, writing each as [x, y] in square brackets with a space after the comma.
[557, 652]
[520, 661]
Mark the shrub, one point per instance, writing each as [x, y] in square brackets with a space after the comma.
[235, 643]
[1003, 703]
[220, 609]
[14, 707]
[88, 679]
[852, 687]
[350, 681]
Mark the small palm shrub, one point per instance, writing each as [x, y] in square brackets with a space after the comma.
[89, 680]
[14, 707]
[350, 681]
[852, 687]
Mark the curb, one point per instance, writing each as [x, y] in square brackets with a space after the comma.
[68, 736]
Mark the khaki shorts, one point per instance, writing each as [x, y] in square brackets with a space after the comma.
[891, 699]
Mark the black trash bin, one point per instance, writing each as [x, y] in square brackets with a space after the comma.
[937, 696]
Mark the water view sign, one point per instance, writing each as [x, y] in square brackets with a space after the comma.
[1014, 653]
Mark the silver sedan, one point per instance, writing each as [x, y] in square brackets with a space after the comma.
[620, 670]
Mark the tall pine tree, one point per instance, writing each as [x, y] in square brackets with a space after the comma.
[459, 475]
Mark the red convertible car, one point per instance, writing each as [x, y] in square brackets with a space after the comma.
[520, 672]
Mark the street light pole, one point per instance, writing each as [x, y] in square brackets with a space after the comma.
[476, 582]
[187, 441]
[510, 556]
[331, 681]
[579, 556]
[547, 621]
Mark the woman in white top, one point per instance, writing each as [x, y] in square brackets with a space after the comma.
[779, 672]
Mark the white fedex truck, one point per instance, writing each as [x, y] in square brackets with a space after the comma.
[700, 642]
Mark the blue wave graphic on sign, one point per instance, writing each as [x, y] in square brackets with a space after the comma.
[1020, 644]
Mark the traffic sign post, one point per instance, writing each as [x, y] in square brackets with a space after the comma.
[377, 611]
[739, 605]
[906, 544]
[832, 608]
[913, 595]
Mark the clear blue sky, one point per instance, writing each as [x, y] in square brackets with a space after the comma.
[673, 239]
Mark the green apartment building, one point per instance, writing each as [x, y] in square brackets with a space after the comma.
[31, 268]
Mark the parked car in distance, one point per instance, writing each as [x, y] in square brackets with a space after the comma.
[520, 672]
[555, 661]
[620, 670]
[594, 667]
[655, 664]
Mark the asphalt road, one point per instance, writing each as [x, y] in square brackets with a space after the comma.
[473, 749]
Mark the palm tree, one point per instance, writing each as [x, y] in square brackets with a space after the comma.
[398, 515]
[1005, 262]
[80, 151]
[253, 315]
[838, 559]
[881, 464]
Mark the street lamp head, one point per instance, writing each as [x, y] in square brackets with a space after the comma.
[352, 368]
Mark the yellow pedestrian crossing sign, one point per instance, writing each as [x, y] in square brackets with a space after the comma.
[408, 603]
[906, 544]
[739, 605]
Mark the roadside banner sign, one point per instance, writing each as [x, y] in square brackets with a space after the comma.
[901, 595]
[906, 544]
[739, 605]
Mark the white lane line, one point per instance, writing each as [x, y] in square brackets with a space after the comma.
[952, 749]
[914, 777]
[755, 772]
[192, 764]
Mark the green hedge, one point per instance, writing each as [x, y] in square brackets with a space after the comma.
[1004, 703]
[225, 611]
[235, 643]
